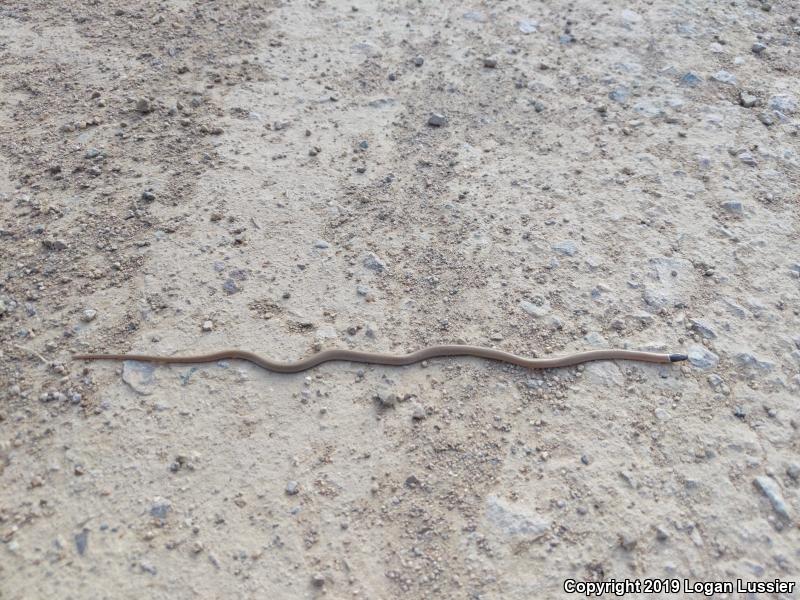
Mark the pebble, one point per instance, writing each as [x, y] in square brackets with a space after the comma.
[783, 103]
[627, 541]
[148, 195]
[230, 286]
[207, 325]
[793, 471]
[619, 94]
[82, 541]
[758, 48]
[318, 580]
[716, 383]
[747, 360]
[437, 120]
[92, 153]
[528, 26]
[490, 63]
[292, 488]
[566, 248]
[535, 310]
[418, 413]
[691, 80]
[724, 77]
[702, 358]
[54, 244]
[704, 328]
[747, 100]
[769, 487]
[387, 398]
[146, 567]
[373, 263]
[747, 159]
[766, 119]
[418, 61]
[144, 106]
[733, 206]
[139, 376]
[88, 315]
[512, 522]
[321, 244]
[160, 508]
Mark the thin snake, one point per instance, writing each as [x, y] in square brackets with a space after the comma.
[376, 358]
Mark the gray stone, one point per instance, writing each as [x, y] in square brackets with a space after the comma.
[535, 310]
[514, 522]
[528, 25]
[747, 159]
[716, 382]
[373, 263]
[321, 244]
[793, 471]
[437, 120]
[144, 106]
[605, 373]
[418, 61]
[724, 77]
[691, 80]
[748, 361]
[733, 206]
[88, 315]
[566, 248]
[160, 508]
[387, 398]
[769, 487]
[230, 286]
[748, 100]
[758, 47]
[783, 103]
[475, 16]
[734, 309]
[82, 541]
[92, 153]
[490, 63]
[292, 488]
[620, 94]
[702, 358]
[54, 244]
[704, 328]
[595, 339]
[139, 376]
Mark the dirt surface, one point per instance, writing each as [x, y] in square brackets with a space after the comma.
[543, 177]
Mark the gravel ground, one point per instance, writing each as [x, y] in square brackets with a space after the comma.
[541, 177]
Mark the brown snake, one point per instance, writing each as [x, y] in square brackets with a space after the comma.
[397, 359]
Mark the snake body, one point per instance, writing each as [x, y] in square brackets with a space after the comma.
[396, 359]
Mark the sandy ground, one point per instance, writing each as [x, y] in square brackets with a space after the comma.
[181, 176]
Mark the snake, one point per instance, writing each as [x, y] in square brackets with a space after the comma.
[375, 358]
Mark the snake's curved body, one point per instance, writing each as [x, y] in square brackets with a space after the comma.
[397, 359]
